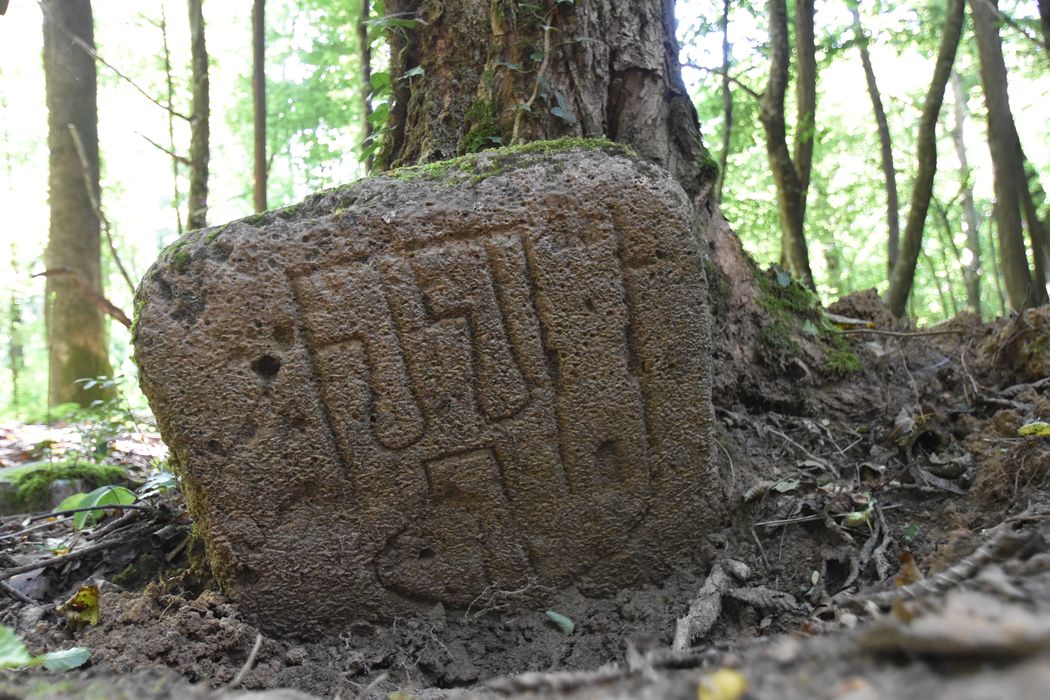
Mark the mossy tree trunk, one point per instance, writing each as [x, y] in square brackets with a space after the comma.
[481, 74]
[76, 328]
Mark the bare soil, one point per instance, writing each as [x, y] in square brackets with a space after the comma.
[844, 491]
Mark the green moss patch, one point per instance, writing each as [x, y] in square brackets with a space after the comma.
[27, 488]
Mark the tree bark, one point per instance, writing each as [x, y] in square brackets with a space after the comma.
[364, 48]
[199, 132]
[972, 270]
[727, 103]
[1008, 168]
[791, 175]
[889, 172]
[596, 68]
[926, 145]
[76, 329]
[259, 103]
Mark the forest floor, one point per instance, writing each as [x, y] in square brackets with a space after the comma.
[889, 536]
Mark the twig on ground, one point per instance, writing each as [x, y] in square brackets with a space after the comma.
[249, 662]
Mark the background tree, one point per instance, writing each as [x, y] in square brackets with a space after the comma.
[76, 328]
[199, 118]
[791, 173]
[1011, 187]
[972, 268]
[889, 171]
[903, 276]
[259, 102]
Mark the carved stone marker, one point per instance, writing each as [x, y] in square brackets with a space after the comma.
[417, 387]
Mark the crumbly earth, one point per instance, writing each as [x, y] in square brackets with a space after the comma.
[911, 466]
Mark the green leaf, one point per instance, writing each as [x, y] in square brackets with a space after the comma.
[786, 485]
[66, 659]
[70, 502]
[13, 653]
[162, 481]
[565, 624]
[413, 72]
[102, 496]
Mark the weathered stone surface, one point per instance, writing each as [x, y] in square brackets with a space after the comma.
[410, 389]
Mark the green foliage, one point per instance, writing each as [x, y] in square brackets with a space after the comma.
[31, 482]
[13, 654]
[102, 496]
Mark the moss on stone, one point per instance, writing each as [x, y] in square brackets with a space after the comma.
[493, 162]
[31, 483]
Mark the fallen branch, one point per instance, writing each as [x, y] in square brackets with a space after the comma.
[236, 682]
[707, 605]
[82, 283]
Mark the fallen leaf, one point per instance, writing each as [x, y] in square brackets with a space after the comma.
[567, 626]
[82, 607]
[723, 684]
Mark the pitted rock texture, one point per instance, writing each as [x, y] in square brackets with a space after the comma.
[424, 387]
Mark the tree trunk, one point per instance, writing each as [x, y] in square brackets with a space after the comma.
[926, 147]
[972, 269]
[364, 48]
[199, 150]
[1044, 20]
[76, 329]
[1008, 169]
[791, 176]
[259, 102]
[727, 103]
[463, 75]
[170, 104]
[889, 172]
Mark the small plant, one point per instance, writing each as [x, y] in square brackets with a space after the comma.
[104, 420]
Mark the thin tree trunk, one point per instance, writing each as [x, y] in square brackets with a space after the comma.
[15, 348]
[76, 329]
[944, 235]
[996, 273]
[364, 47]
[937, 284]
[727, 103]
[1044, 20]
[889, 172]
[926, 145]
[170, 85]
[971, 271]
[791, 176]
[199, 149]
[948, 240]
[259, 102]
[1008, 169]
